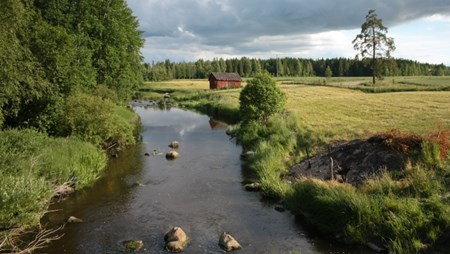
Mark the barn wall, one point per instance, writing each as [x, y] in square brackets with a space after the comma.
[219, 84]
[212, 84]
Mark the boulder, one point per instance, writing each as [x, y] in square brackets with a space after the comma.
[172, 155]
[174, 144]
[176, 240]
[228, 243]
[132, 245]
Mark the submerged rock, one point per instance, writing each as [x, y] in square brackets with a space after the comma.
[279, 208]
[133, 245]
[176, 240]
[73, 219]
[172, 155]
[228, 243]
[174, 144]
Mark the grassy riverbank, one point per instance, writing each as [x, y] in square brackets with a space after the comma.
[407, 210]
[33, 165]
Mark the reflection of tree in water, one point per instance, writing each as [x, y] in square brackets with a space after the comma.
[112, 185]
[217, 125]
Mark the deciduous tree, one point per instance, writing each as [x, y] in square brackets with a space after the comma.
[261, 98]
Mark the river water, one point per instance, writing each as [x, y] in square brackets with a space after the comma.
[142, 197]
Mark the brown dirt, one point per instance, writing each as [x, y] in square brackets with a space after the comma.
[353, 162]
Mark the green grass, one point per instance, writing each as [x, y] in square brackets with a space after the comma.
[32, 165]
[335, 113]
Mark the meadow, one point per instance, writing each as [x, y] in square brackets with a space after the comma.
[337, 112]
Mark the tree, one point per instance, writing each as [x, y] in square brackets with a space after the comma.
[328, 72]
[372, 42]
[260, 99]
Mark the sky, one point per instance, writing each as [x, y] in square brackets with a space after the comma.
[187, 30]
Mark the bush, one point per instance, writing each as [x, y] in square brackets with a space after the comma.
[260, 99]
[94, 119]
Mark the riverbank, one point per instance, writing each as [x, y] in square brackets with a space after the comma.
[34, 166]
[378, 212]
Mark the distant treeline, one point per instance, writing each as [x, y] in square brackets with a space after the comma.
[287, 67]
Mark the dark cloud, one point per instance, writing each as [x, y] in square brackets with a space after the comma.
[236, 23]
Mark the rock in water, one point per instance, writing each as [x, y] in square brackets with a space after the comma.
[73, 219]
[255, 186]
[172, 155]
[133, 245]
[174, 144]
[176, 240]
[228, 243]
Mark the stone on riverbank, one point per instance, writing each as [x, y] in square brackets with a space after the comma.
[176, 240]
[228, 243]
[255, 186]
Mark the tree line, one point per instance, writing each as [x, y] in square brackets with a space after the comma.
[53, 49]
[287, 67]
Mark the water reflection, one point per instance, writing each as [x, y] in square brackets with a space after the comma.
[142, 197]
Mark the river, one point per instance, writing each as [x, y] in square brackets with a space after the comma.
[142, 197]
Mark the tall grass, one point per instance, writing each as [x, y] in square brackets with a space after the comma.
[33, 164]
[407, 210]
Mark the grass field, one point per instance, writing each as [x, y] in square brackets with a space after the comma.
[338, 113]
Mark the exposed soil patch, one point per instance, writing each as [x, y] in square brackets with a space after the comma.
[352, 162]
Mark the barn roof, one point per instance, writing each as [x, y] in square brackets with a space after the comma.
[225, 76]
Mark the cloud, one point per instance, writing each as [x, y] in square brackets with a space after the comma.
[188, 28]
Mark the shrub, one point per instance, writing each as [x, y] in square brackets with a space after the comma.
[260, 99]
[94, 119]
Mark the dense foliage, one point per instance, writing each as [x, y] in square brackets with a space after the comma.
[67, 66]
[287, 67]
[260, 99]
[51, 49]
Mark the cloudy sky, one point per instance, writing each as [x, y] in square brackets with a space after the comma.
[186, 30]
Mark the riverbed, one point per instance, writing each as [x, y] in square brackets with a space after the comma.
[142, 197]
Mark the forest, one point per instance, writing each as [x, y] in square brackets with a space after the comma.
[53, 49]
[67, 69]
[287, 67]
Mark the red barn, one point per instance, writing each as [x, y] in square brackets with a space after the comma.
[218, 80]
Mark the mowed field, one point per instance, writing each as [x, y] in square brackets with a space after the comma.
[340, 113]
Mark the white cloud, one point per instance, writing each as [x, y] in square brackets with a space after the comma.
[192, 29]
